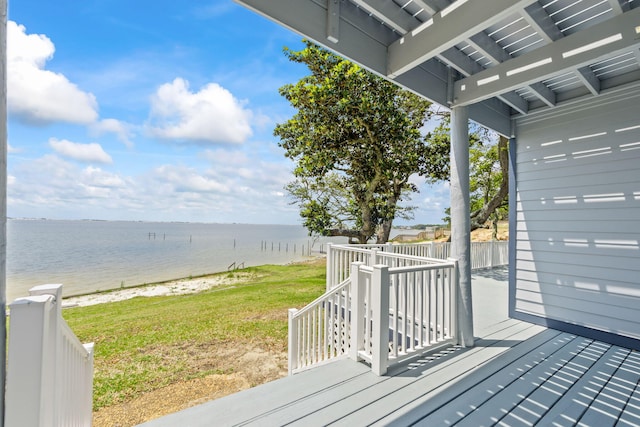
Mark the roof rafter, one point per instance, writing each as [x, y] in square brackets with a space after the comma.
[432, 6]
[617, 35]
[445, 29]
[389, 13]
[540, 20]
[619, 8]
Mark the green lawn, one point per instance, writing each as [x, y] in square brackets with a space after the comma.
[149, 342]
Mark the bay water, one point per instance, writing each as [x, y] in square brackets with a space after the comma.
[88, 256]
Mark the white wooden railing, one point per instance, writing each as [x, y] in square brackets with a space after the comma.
[320, 331]
[381, 313]
[384, 303]
[402, 311]
[340, 257]
[49, 372]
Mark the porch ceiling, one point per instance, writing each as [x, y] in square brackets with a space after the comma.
[504, 58]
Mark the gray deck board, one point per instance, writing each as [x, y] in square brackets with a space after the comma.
[517, 374]
[431, 377]
[496, 379]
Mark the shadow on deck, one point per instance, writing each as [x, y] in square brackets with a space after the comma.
[517, 374]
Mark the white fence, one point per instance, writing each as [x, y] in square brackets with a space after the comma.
[49, 372]
[340, 257]
[320, 331]
[382, 313]
[401, 311]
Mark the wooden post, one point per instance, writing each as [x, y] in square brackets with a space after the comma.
[293, 341]
[3, 203]
[380, 309]
[358, 292]
[374, 257]
[330, 272]
[31, 392]
[460, 220]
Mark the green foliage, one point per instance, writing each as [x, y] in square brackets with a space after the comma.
[356, 139]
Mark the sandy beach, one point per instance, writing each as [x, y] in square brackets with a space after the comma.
[175, 287]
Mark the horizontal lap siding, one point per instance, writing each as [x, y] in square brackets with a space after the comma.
[577, 222]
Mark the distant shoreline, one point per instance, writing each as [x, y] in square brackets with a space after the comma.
[183, 286]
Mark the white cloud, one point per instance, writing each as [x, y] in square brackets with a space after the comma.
[37, 95]
[52, 186]
[96, 177]
[11, 149]
[212, 115]
[120, 129]
[88, 153]
[185, 179]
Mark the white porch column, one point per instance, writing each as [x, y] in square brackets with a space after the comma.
[460, 221]
[3, 201]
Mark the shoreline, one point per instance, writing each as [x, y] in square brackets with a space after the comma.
[173, 287]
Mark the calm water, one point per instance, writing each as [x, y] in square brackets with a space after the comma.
[86, 256]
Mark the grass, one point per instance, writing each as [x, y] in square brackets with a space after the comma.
[146, 343]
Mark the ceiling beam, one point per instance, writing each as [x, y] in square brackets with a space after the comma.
[432, 6]
[364, 41]
[540, 20]
[445, 29]
[575, 51]
[619, 8]
[515, 101]
[589, 79]
[544, 93]
[488, 47]
[389, 13]
[333, 21]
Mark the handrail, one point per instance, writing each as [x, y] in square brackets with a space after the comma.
[339, 256]
[384, 303]
[49, 373]
[320, 331]
[402, 311]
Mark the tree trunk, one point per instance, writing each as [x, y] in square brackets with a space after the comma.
[480, 217]
[385, 230]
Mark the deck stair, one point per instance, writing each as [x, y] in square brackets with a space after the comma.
[383, 304]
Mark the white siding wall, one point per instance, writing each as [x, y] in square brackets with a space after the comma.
[578, 215]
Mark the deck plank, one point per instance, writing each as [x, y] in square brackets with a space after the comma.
[614, 397]
[498, 409]
[576, 400]
[544, 397]
[504, 376]
[437, 399]
[420, 378]
[256, 402]
[631, 414]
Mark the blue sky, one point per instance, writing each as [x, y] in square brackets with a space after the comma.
[157, 111]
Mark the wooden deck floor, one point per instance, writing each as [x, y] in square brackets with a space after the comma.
[517, 374]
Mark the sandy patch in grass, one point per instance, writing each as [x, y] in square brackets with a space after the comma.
[248, 367]
[176, 287]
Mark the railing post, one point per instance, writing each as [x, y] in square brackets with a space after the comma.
[30, 378]
[357, 311]
[293, 341]
[493, 252]
[373, 260]
[454, 300]
[330, 269]
[380, 309]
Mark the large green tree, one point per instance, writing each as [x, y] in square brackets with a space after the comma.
[356, 140]
[489, 183]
